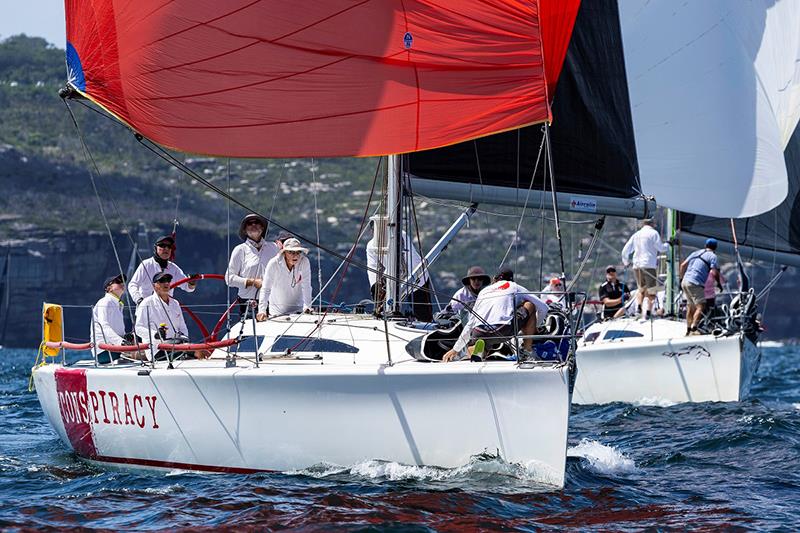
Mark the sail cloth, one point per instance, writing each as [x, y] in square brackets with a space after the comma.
[592, 136]
[715, 94]
[690, 102]
[777, 230]
[272, 78]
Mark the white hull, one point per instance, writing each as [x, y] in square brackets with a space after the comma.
[658, 363]
[289, 414]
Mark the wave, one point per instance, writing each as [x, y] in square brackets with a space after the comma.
[481, 467]
[654, 401]
[602, 458]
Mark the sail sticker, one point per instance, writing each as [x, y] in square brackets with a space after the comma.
[587, 205]
[408, 40]
[75, 76]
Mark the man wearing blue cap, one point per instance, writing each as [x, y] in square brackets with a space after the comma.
[694, 271]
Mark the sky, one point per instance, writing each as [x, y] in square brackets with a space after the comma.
[36, 18]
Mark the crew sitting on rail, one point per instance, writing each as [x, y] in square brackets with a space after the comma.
[286, 286]
[248, 261]
[159, 318]
[108, 325]
[139, 286]
[500, 311]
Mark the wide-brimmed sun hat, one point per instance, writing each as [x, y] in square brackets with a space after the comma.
[293, 245]
[476, 272]
[252, 216]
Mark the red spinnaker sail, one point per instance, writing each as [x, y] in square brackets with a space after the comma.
[281, 78]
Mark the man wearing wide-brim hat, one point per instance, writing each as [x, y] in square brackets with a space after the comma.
[249, 259]
[140, 285]
[286, 285]
[475, 280]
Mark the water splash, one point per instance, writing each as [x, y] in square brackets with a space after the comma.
[602, 458]
[654, 401]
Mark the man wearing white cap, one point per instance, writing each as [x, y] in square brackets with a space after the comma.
[286, 286]
[140, 285]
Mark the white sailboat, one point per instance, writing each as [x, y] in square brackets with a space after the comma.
[325, 387]
[722, 171]
[690, 106]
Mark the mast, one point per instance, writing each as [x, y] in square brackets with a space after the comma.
[670, 295]
[393, 197]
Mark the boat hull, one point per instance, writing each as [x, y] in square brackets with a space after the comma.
[672, 369]
[281, 417]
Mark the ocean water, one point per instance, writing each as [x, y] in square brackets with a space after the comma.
[651, 465]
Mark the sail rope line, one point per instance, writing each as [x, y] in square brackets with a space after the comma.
[461, 207]
[228, 238]
[90, 159]
[316, 226]
[413, 218]
[173, 161]
[524, 205]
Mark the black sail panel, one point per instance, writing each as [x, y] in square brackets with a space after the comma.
[592, 135]
[776, 230]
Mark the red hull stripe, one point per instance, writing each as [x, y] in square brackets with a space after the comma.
[180, 466]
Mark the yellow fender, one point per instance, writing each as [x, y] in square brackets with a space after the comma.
[52, 327]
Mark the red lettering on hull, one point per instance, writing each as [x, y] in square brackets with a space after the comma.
[71, 391]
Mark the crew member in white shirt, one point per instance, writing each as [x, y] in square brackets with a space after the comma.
[286, 286]
[495, 312]
[159, 318]
[553, 292]
[377, 258]
[475, 280]
[644, 245]
[140, 285]
[249, 259]
[108, 324]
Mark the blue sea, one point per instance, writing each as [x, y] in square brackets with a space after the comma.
[709, 466]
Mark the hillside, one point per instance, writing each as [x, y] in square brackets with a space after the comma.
[49, 206]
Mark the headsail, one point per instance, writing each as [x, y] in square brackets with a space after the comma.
[246, 78]
[774, 235]
[715, 95]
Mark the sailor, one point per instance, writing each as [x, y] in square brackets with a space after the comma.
[108, 325]
[377, 258]
[553, 292]
[286, 285]
[613, 293]
[281, 238]
[140, 287]
[475, 280]
[644, 245]
[159, 318]
[693, 272]
[500, 311]
[249, 259]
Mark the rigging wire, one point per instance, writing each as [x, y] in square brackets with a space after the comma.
[90, 159]
[515, 238]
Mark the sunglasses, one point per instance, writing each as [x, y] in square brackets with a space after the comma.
[253, 223]
[167, 246]
[293, 252]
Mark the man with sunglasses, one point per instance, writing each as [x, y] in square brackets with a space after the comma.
[140, 285]
[159, 318]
